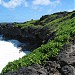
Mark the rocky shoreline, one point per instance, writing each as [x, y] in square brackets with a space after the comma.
[10, 32]
[63, 64]
[30, 36]
[53, 44]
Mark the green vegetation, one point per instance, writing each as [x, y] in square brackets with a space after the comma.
[64, 29]
[27, 24]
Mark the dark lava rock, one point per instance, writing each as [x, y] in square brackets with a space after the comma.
[68, 70]
[66, 59]
[31, 70]
[28, 46]
[52, 67]
[48, 69]
[67, 56]
[34, 36]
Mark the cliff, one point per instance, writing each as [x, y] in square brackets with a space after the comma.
[49, 38]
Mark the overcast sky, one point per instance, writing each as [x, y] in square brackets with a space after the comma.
[23, 10]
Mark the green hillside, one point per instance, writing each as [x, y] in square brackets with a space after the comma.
[60, 26]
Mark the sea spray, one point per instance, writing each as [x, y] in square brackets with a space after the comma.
[9, 52]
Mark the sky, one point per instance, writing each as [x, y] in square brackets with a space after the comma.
[25, 10]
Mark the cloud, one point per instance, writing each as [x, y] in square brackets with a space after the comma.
[70, 10]
[26, 4]
[38, 4]
[0, 1]
[41, 2]
[45, 2]
[57, 1]
[12, 3]
[34, 3]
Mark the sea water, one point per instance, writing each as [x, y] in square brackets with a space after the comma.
[9, 52]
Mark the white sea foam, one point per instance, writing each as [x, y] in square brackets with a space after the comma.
[9, 52]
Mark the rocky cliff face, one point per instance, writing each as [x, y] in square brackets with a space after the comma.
[35, 37]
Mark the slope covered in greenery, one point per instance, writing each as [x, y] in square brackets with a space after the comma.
[61, 25]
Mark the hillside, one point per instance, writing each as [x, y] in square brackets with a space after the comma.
[48, 38]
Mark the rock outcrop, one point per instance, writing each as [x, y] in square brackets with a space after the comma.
[31, 70]
[63, 64]
[35, 37]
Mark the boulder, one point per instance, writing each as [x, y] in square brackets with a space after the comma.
[67, 56]
[68, 70]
